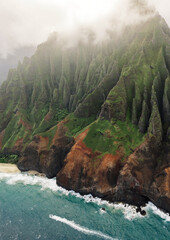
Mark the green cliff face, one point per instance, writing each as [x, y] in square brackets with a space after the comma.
[123, 82]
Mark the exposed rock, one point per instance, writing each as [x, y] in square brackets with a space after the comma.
[87, 172]
[137, 175]
[143, 121]
[143, 213]
[134, 182]
[35, 173]
[29, 160]
[37, 156]
[18, 145]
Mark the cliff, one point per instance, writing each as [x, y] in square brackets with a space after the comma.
[96, 115]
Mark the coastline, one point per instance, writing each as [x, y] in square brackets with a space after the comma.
[39, 190]
[13, 169]
[88, 197]
[8, 168]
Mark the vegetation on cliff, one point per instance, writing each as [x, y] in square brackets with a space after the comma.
[106, 137]
[96, 114]
[109, 80]
[119, 79]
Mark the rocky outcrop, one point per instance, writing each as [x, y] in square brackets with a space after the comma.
[40, 157]
[135, 181]
[86, 171]
[136, 176]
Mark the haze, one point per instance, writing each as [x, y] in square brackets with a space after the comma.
[29, 22]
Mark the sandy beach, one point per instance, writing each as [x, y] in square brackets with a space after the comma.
[8, 168]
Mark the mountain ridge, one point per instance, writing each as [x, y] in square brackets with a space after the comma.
[97, 116]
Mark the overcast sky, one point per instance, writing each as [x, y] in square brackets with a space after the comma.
[29, 22]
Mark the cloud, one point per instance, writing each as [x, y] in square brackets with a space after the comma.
[29, 22]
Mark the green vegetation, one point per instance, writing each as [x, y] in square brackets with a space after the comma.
[126, 77]
[13, 132]
[9, 158]
[106, 137]
[55, 116]
[75, 125]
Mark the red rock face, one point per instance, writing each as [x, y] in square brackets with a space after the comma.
[166, 183]
[41, 157]
[18, 145]
[136, 176]
[25, 124]
[162, 183]
[136, 181]
[87, 171]
[139, 178]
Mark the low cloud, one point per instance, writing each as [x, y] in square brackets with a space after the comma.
[28, 23]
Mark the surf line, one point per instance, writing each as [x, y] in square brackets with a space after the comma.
[80, 228]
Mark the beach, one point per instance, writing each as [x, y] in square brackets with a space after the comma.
[8, 168]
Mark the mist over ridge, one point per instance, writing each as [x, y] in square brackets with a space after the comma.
[27, 23]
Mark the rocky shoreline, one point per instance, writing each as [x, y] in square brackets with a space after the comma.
[139, 179]
[135, 200]
[12, 168]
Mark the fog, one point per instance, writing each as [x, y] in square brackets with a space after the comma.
[29, 22]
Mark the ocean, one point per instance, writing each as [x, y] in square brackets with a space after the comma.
[33, 207]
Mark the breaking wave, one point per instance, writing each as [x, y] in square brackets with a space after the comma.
[45, 183]
[80, 228]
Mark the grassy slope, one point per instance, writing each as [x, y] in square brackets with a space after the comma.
[107, 137]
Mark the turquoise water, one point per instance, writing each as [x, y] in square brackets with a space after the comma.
[36, 208]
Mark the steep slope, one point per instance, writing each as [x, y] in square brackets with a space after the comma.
[114, 159]
[44, 89]
[97, 115]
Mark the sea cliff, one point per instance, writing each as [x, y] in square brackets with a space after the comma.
[96, 116]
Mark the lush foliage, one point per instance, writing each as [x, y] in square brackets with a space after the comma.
[125, 77]
[107, 137]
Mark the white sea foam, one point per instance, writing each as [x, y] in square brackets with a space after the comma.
[157, 211]
[101, 211]
[80, 228]
[45, 183]
[129, 211]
